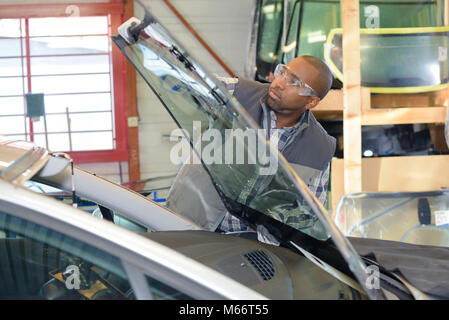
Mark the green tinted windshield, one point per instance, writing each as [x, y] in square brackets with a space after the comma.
[255, 182]
[320, 17]
[242, 165]
[397, 60]
[228, 144]
[304, 27]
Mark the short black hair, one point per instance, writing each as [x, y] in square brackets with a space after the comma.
[325, 74]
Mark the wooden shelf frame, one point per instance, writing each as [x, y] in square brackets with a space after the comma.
[332, 108]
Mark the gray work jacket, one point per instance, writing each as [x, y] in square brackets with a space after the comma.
[193, 194]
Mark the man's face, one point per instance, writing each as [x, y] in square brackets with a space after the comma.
[285, 99]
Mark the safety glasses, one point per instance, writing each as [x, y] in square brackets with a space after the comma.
[293, 80]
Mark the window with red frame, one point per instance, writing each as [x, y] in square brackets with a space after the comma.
[69, 61]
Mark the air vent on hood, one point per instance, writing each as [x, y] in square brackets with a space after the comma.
[262, 262]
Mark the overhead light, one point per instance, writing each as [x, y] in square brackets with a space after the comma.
[368, 153]
[268, 8]
[289, 47]
[316, 36]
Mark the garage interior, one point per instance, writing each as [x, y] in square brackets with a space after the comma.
[101, 113]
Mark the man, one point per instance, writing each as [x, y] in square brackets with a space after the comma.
[281, 106]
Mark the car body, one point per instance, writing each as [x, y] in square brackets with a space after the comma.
[48, 237]
[41, 237]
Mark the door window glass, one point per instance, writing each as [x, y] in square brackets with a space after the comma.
[39, 263]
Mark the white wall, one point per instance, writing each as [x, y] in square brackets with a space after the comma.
[225, 27]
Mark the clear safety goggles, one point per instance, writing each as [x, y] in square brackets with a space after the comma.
[292, 80]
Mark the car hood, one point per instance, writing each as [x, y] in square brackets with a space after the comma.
[199, 103]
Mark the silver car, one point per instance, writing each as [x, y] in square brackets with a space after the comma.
[51, 250]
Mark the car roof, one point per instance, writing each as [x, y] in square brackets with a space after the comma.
[20, 160]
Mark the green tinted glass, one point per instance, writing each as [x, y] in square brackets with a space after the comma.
[248, 171]
[397, 60]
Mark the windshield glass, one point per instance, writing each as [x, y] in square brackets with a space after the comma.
[411, 217]
[247, 171]
[254, 181]
[388, 55]
[309, 22]
[270, 30]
